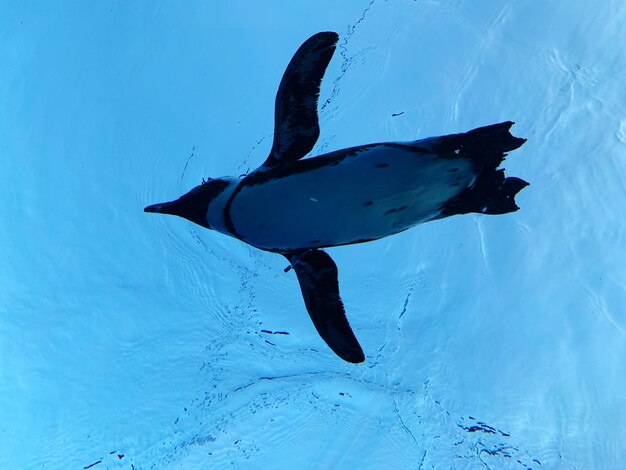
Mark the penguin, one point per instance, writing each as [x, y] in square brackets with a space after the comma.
[295, 206]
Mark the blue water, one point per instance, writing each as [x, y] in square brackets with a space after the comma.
[129, 340]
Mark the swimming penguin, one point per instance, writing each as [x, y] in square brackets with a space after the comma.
[295, 207]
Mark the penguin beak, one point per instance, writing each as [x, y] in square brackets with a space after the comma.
[181, 207]
[193, 205]
[163, 208]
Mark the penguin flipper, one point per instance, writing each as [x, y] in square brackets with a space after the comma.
[317, 275]
[296, 126]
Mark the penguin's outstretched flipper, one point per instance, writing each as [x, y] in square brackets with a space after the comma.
[296, 126]
[317, 275]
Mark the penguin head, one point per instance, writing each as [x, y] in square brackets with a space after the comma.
[194, 205]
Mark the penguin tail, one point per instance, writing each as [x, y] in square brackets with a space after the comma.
[485, 146]
[491, 192]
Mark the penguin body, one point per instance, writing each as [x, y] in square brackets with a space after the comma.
[295, 206]
[350, 196]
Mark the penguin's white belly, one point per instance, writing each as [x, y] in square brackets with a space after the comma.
[381, 190]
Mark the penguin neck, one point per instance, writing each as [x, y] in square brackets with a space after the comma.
[216, 216]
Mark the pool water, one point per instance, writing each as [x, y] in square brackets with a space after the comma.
[133, 341]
